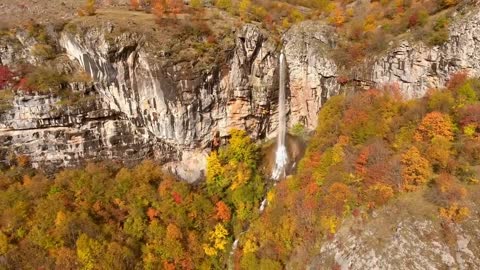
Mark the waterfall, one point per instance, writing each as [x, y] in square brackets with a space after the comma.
[281, 156]
[234, 247]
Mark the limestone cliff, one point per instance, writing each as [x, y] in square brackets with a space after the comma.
[144, 104]
[312, 73]
[145, 100]
[417, 67]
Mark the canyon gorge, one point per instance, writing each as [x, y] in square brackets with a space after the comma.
[306, 138]
[144, 104]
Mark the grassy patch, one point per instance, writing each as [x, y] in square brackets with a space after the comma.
[70, 27]
[298, 130]
[75, 99]
[6, 98]
[37, 31]
[43, 51]
[204, 38]
[46, 80]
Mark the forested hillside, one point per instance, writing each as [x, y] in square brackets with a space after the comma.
[365, 27]
[139, 134]
[370, 147]
[104, 216]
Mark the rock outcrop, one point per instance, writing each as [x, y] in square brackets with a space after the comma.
[53, 137]
[144, 104]
[406, 234]
[417, 67]
[312, 74]
[176, 105]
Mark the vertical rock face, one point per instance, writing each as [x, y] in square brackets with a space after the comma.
[133, 86]
[148, 105]
[35, 126]
[312, 74]
[144, 104]
[248, 84]
[417, 67]
[174, 103]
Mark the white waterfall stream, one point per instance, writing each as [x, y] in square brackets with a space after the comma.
[281, 156]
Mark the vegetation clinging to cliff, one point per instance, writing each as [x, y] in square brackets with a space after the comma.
[364, 27]
[368, 148]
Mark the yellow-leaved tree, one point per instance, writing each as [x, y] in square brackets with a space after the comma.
[232, 175]
[416, 169]
[244, 8]
[90, 7]
[217, 240]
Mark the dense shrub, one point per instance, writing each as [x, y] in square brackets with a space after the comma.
[6, 76]
[6, 98]
[43, 51]
[369, 147]
[44, 80]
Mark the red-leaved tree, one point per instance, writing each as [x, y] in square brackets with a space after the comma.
[134, 4]
[5, 76]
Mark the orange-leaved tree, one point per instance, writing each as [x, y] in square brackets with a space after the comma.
[338, 17]
[416, 169]
[174, 6]
[447, 190]
[434, 124]
[134, 4]
[158, 8]
[223, 212]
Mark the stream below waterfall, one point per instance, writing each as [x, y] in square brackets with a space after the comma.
[281, 154]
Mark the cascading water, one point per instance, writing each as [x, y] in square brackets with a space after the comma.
[281, 156]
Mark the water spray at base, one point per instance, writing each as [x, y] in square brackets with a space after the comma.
[281, 159]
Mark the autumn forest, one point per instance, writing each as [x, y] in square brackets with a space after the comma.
[371, 146]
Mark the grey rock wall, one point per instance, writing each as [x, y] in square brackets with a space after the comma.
[312, 74]
[148, 106]
[417, 67]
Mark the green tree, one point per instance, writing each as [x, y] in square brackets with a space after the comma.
[135, 226]
[89, 252]
[466, 95]
[232, 174]
[441, 101]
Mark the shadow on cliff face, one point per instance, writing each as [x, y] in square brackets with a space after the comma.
[295, 148]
